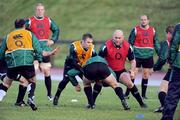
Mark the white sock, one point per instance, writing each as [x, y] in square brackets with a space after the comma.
[2, 94]
[29, 87]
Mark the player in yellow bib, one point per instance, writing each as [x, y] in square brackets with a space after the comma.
[80, 51]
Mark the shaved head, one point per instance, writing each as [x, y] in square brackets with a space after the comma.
[118, 32]
[118, 37]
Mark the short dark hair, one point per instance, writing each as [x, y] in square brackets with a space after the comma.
[19, 23]
[170, 29]
[87, 35]
[144, 15]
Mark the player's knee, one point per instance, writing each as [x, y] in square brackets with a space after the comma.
[146, 75]
[163, 89]
[133, 77]
[114, 84]
[129, 84]
[24, 82]
[47, 73]
[125, 78]
[32, 80]
[45, 70]
[7, 82]
[86, 84]
[45, 66]
[7, 85]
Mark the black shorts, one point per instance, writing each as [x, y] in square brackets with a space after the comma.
[118, 73]
[26, 71]
[46, 59]
[3, 66]
[96, 71]
[167, 76]
[145, 63]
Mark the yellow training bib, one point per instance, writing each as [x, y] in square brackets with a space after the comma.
[19, 39]
[82, 55]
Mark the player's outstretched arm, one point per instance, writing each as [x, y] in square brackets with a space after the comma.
[54, 52]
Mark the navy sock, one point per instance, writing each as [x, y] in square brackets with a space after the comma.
[144, 84]
[128, 90]
[2, 77]
[119, 93]
[136, 94]
[89, 95]
[48, 85]
[31, 92]
[161, 97]
[2, 87]
[21, 94]
[18, 77]
[61, 86]
[96, 90]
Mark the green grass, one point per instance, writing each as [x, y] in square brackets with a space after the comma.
[100, 17]
[108, 106]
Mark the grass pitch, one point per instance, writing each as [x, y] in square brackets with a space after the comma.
[108, 106]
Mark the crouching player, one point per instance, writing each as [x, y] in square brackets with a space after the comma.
[96, 70]
[115, 51]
